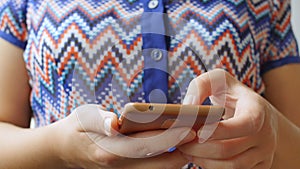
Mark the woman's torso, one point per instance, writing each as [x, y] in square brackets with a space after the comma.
[92, 51]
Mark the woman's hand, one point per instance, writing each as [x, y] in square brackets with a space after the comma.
[88, 138]
[245, 139]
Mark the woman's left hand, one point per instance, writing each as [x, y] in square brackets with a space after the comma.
[245, 139]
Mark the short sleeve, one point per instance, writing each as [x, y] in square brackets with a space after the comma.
[282, 48]
[13, 22]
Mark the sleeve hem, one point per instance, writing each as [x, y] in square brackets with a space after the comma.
[13, 40]
[278, 63]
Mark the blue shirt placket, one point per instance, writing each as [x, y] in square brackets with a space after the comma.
[155, 80]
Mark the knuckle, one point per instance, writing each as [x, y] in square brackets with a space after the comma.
[224, 150]
[219, 70]
[268, 163]
[219, 150]
[235, 164]
[194, 83]
[255, 124]
[257, 118]
[270, 148]
[104, 158]
[240, 163]
[228, 77]
[272, 141]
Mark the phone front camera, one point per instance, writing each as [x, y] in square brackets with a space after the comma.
[151, 108]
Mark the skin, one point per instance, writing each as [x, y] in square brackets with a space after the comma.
[254, 134]
[274, 120]
[74, 141]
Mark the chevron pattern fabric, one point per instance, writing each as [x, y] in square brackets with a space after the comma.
[81, 51]
[90, 51]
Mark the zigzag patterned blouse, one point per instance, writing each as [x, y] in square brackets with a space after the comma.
[111, 52]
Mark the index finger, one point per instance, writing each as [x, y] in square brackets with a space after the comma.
[145, 144]
[212, 83]
[248, 120]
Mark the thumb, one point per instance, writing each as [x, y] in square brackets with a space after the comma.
[212, 83]
[92, 118]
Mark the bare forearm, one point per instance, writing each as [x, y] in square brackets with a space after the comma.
[288, 145]
[27, 148]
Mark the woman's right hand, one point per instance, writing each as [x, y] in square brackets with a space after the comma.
[88, 138]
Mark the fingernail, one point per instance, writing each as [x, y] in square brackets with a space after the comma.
[201, 140]
[171, 149]
[107, 126]
[187, 135]
[206, 132]
[188, 99]
[200, 135]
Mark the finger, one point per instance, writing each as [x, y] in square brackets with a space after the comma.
[248, 120]
[267, 162]
[230, 104]
[186, 137]
[262, 165]
[166, 160]
[93, 119]
[246, 160]
[217, 149]
[205, 85]
[145, 144]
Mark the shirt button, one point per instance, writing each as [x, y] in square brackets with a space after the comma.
[156, 54]
[153, 4]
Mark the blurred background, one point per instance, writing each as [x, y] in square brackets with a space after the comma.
[296, 18]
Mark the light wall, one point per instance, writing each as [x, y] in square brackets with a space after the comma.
[296, 19]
